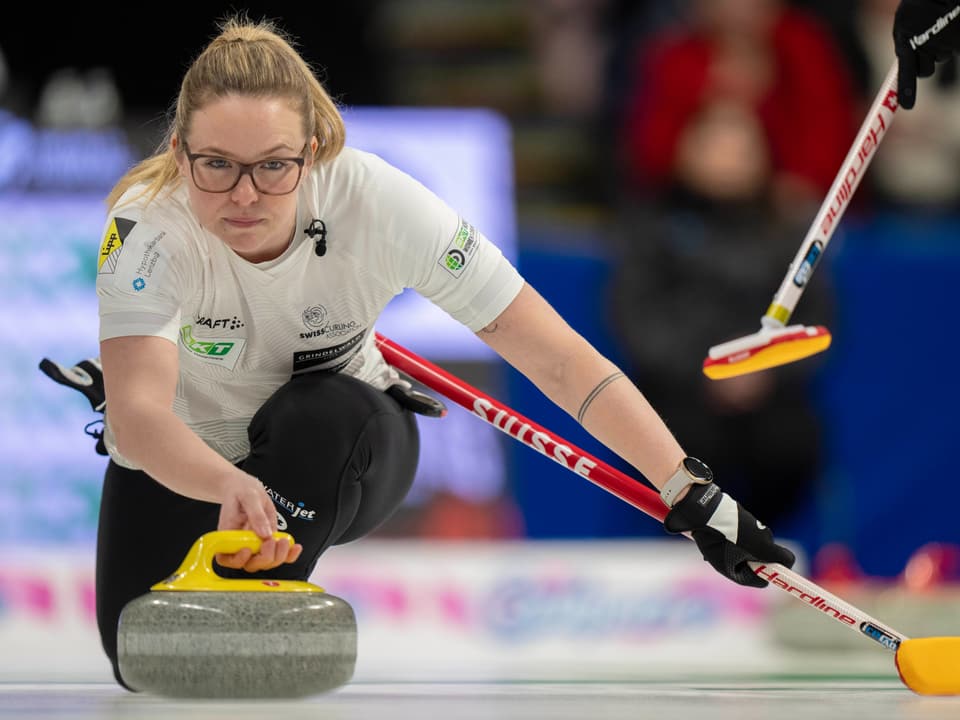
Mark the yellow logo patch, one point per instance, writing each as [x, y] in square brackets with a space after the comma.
[112, 244]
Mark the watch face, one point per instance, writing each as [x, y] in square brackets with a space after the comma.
[698, 469]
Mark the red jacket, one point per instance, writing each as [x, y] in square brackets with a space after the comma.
[809, 110]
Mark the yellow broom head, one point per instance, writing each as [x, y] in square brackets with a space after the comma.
[765, 349]
[930, 666]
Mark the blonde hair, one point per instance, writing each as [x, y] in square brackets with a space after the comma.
[250, 58]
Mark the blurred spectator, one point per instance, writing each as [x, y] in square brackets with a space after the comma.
[698, 267]
[71, 99]
[765, 54]
[919, 164]
[569, 48]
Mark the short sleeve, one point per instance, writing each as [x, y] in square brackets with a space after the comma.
[440, 254]
[142, 276]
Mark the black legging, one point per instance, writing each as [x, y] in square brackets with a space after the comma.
[333, 451]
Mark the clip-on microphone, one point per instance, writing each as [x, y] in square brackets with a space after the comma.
[317, 230]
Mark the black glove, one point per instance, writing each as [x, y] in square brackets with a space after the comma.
[416, 401]
[728, 536]
[87, 377]
[925, 32]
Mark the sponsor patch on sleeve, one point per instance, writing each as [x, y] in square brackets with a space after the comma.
[143, 262]
[462, 247]
[112, 245]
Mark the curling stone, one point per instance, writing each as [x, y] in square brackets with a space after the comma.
[197, 634]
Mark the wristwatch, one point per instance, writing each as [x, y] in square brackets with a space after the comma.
[690, 471]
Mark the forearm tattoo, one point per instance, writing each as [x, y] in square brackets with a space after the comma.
[593, 395]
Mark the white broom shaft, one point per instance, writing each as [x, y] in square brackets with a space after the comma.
[834, 205]
[620, 484]
[829, 604]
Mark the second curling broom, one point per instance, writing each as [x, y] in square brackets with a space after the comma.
[777, 343]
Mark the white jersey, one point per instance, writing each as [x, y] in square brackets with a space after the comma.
[243, 329]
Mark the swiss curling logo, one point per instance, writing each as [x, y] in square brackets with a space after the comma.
[315, 318]
[317, 321]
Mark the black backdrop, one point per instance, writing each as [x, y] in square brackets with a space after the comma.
[147, 47]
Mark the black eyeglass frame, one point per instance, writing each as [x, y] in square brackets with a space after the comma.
[246, 169]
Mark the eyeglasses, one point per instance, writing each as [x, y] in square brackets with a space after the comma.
[271, 176]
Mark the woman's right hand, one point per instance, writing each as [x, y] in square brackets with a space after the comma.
[140, 381]
[246, 506]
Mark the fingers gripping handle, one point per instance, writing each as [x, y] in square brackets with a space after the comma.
[197, 572]
[232, 541]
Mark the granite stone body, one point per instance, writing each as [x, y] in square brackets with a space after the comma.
[237, 644]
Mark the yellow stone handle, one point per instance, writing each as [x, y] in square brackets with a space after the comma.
[197, 573]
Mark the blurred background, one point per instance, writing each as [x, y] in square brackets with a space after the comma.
[652, 168]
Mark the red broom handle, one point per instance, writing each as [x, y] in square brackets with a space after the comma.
[523, 429]
[623, 486]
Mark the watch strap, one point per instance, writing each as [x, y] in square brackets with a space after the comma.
[677, 482]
